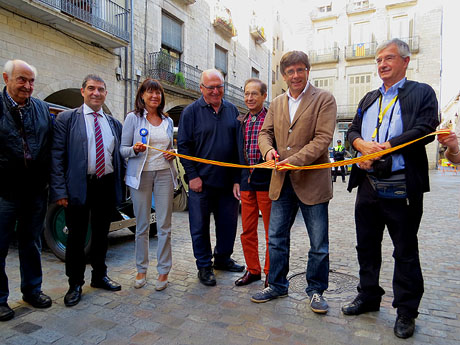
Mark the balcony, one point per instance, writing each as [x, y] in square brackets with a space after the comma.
[224, 26]
[328, 55]
[359, 7]
[360, 51]
[258, 33]
[399, 3]
[346, 111]
[184, 79]
[100, 21]
[413, 43]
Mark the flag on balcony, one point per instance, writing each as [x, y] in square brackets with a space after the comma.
[360, 50]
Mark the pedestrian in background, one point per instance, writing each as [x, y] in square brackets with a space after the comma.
[150, 170]
[390, 189]
[339, 155]
[86, 179]
[207, 129]
[252, 189]
[25, 143]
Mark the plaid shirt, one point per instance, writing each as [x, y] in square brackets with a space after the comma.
[252, 127]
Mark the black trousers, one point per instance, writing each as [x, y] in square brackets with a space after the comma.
[336, 172]
[96, 212]
[402, 218]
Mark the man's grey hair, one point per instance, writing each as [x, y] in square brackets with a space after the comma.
[94, 77]
[11, 64]
[210, 72]
[403, 47]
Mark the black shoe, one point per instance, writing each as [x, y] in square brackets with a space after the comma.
[106, 283]
[6, 313]
[247, 278]
[230, 266]
[359, 306]
[404, 326]
[38, 300]
[206, 276]
[73, 296]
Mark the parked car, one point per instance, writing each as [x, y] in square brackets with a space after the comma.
[55, 230]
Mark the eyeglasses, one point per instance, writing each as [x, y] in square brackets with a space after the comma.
[218, 87]
[388, 58]
[292, 71]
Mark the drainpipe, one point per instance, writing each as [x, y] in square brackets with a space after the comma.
[132, 53]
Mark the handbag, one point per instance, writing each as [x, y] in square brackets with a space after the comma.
[382, 167]
[390, 188]
[180, 194]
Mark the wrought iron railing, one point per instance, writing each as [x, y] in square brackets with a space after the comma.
[360, 50]
[171, 70]
[413, 43]
[105, 15]
[324, 55]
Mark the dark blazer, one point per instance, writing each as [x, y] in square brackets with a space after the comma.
[259, 179]
[69, 158]
[419, 112]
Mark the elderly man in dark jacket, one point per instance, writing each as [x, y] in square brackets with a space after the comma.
[390, 189]
[25, 142]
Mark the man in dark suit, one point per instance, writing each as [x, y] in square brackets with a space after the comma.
[398, 112]
[86, 178]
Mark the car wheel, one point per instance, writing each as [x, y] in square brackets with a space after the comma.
[56, 231]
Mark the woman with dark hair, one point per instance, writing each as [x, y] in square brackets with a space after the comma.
[150, 169]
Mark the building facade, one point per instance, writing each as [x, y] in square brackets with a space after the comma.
[171, 40]
[342, 37]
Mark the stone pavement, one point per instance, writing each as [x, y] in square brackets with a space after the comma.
[190, 313]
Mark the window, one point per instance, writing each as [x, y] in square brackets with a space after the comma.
[221, 60]
[325, 8]
[325, 84]
[324, 38]
[361, 33]
[358, 85]
[277, 43]
[171, 33]
[359, 4]
[399, 27]
[254, 73]
[277, 72]
[273, 77]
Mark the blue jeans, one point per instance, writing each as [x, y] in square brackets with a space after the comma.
[282, 217]
[224, 206]
[28, 210]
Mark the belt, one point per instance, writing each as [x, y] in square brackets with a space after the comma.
[93, 177]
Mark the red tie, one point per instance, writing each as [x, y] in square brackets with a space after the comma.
[100, 158]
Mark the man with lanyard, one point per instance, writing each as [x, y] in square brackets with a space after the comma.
[339, 155]
[252, 190]
[400, 111]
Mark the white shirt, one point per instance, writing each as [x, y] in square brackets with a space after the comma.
[107, 137]
[158, 138]
[294, 102]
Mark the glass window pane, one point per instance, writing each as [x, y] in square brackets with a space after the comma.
[171, 33]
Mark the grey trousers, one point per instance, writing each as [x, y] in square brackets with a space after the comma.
[161, 183]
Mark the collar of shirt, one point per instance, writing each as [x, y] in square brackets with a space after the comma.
[301, 94]
[88, 111]
[146, 113]
[203, 103]
[393, 90]
[13, 103]
[249, 115]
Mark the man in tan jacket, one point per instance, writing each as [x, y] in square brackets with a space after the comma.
[298, 130]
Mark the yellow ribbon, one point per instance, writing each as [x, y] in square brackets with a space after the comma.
[271, 164]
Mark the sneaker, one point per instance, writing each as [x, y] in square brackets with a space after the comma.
[318, 304]
[266, 295]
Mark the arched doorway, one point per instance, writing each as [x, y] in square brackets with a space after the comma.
[70, 98]
[175, 112]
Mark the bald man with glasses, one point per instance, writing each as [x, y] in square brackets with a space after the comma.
[207, 129]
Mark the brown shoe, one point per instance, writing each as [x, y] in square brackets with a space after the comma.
[247, 278]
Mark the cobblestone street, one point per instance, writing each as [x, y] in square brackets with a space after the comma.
[188, 312]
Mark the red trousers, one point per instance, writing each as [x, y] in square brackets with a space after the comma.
[251, 203]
